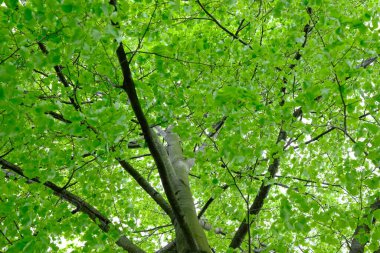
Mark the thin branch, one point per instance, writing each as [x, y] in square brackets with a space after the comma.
[58, 116]
[208, 203]
[75, 170]
[313, 197]
[18, 229]
[224, 165]
[40, 72]
[368, 113]
[260, 197]
[173, 58]
[152, 229]
[317, 137]
[241, 26]
[145, 31]
[80, 204]
[308, 181]
[6, 153]
[222, 27]
[340, 87]
[190, 18]
[314, 25]
[145, 75]
[139, 156]
[5, 59]
[367, 62]
[61, 76]
[6, 238]
[346, 134]
[155, 195]
[256, 207]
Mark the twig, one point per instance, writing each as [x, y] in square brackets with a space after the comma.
[6, 153]
[80, 204]
[139, 156]
[343, 102]
[6, 238]
[174, 58]
[5, 59]
[155, 195]
[317, 137]
[222, 27]
[145, 31]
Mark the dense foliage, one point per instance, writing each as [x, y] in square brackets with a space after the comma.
[275, 104]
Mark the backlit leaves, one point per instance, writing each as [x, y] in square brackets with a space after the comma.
[190, 73]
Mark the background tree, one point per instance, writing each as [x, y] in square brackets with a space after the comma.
[189, 126]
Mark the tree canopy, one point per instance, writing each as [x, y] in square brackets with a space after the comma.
[189, 126]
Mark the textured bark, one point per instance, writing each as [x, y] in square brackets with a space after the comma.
[356, 245]
[127, 245]
[256, 207]
[173, 180]
[165, 169]
[184, 196]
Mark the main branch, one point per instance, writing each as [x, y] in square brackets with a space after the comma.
[165, 169]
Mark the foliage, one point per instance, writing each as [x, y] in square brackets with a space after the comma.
[277, 102]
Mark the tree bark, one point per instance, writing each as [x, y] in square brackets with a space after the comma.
[184, 196]
[258, 203]
[356, 245]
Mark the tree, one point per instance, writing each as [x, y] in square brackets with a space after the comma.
[189, 126]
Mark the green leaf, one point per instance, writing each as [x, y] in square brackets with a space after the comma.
[2, 92]
[11, 3]
[285, 209]
[67, 7]
[28, 14]
[227, 77]
[376, 214]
